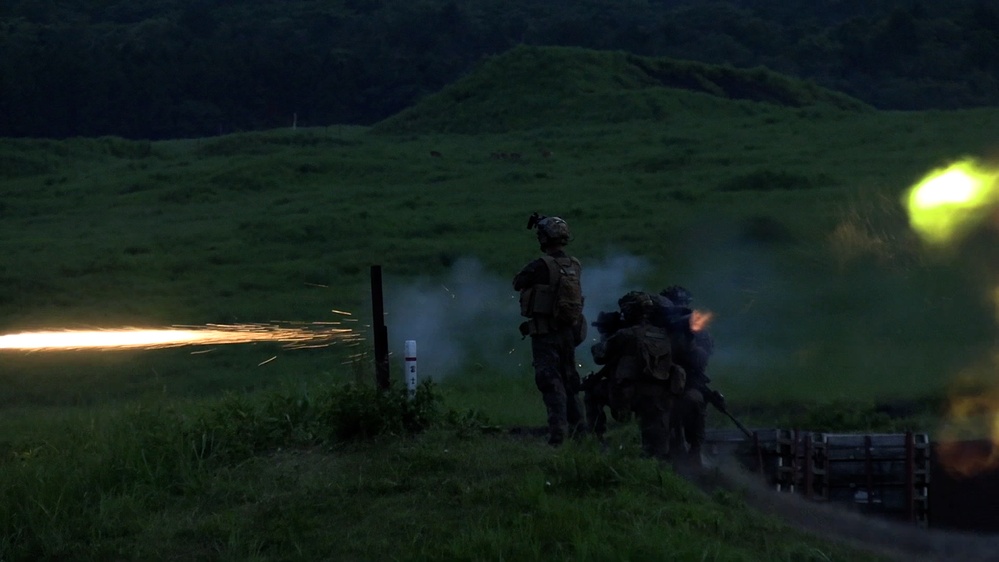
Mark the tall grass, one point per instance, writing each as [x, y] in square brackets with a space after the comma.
[89, 487]
[286, 476]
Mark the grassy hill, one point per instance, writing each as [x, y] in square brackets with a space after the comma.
[776, 203]
[531, 87]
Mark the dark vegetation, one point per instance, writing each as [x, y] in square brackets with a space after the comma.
[159, 69]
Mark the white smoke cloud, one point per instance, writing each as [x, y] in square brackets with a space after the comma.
[471, 316]
[754, 309]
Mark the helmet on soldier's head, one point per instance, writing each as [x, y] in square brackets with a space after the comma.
[635, 305]
[553, 230]
[677, 295]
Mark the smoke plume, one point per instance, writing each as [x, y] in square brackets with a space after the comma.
[471, 316]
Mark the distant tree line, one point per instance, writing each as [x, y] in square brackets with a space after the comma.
[180, 68]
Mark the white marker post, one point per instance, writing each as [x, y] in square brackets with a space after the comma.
[411, 368]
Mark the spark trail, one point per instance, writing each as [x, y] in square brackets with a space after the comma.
[293, 335]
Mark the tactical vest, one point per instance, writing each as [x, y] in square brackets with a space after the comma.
[558, 303]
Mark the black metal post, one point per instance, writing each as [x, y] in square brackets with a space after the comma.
[809, 466]
[382, 379]
[869, 468]
[910, 476]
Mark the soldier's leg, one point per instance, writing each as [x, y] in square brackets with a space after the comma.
[595, 400]
[694, 421]
[653, 419]
[677, 440]
[549, 381]
[555, 402]
[575, 414]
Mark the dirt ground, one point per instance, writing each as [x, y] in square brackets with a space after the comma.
[895, 541]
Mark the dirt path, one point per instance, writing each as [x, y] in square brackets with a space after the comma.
[895, 541]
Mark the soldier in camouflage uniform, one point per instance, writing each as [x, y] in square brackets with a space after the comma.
[596, 387]
[644, 378]
[553, 344]
[691, 350]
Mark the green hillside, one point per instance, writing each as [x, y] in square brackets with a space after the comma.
[531, 87]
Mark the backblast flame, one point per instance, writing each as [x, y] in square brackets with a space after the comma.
[291, 335]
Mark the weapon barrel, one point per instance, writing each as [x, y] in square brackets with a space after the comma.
[737, 424]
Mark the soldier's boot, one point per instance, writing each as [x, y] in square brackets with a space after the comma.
[677, 443]
[596, 423]
[694, 432]
[694, 456]
[655, 439]
[556, 436]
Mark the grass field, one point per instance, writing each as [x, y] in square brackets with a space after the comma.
[784, 220]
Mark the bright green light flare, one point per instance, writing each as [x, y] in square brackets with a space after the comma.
[948, 202]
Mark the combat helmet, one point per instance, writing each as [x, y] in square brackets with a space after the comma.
[550, 230]
[678, 295]
[635, 305]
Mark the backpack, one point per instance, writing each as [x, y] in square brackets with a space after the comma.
[567, 305]
[656, 352]
[651, 362]
[657, 358]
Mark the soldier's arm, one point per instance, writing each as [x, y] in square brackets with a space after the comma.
[528, 276]
[609, 350]
[599, 352]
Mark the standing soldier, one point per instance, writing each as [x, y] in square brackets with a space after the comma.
[551, 298]
[644, 379]
[691, 350]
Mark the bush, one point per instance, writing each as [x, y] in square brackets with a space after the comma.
[362, 412]
[239, 426]
[766, 180]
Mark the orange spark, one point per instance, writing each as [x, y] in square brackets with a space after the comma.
[296, 336]
[700, 320]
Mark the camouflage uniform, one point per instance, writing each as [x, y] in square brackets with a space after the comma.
[597, 400]
[553, 348]
[597, 386]
[691, 411]
[691, 351]
[634, 388]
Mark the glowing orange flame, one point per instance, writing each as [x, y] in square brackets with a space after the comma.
[700, 320]
[317, 334]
